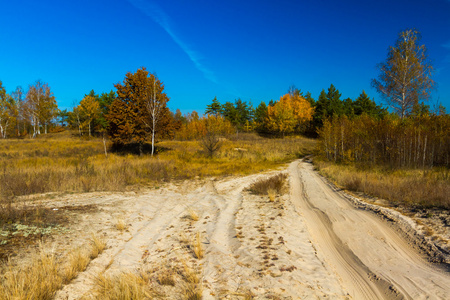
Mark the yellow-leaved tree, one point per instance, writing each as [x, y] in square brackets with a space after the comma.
[291, 113]
[90, 110]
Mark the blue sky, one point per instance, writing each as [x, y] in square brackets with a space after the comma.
[253, 50]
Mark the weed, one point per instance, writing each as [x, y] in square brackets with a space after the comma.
[197, 247]
[166, 277]
[78, 261]
[121, 225]
[98, 245]
[123, 286]
[274, 184]
[191, 215]
[272, 194]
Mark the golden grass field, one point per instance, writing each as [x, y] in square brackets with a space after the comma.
[427, 188]
[63, 163]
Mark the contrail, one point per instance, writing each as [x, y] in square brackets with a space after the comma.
[161, 18]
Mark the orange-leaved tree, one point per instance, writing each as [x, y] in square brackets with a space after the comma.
[139, 110]
[289, 114]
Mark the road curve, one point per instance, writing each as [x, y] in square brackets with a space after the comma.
[371, 259]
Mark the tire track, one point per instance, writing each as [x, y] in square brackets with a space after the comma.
[373, 261]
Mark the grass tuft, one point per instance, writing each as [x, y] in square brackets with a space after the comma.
[121, 225]
[122, 287]
[98, 245]
[197, 247]
[270, 186]
[191, 215]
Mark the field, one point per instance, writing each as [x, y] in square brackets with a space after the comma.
[252, 222]
[62, 163]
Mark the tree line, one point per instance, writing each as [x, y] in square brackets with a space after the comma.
[31, 112]
[417, 141]
[353, 130]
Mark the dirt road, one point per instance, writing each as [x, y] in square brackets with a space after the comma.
[309, 243]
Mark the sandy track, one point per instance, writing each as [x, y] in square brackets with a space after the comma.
[310, 243]
[372, 259]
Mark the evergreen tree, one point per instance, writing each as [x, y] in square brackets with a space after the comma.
[363, 104]
[348, 107]
[214, 108]
[260, 117]
[310, 99]
[336, 107]
[321, 110]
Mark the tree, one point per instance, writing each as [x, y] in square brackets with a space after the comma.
[336, 106]
[6, 111]
[18, 95]
[213, 127]
[214, 108]
[90, 110]
[139, 108]
[405, 76]
[41, 106]
[105, 100]
[363, 104]
[288, 114]
[260, 117]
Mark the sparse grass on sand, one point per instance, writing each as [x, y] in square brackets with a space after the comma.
[428, 188]
[144, 285]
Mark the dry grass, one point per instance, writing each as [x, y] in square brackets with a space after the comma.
[78, 262]
[191, 215]
[166, 277]
[39, 280]
[97, 246]
[61, 163]
[121, 225]
[427, 188]
[45, 274]
[270, 186]
[125, 286]
[192, 292]
[272, 194]
[181, 279]
[197, 246]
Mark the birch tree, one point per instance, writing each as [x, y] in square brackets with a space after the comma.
[41, 106]
[405, 76]
[6, 111]
[155, 104]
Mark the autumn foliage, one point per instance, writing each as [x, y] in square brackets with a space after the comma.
[291, 113]
[196, 128]
[130, 121]
[420, 141]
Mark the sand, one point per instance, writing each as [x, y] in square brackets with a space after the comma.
[310, 243]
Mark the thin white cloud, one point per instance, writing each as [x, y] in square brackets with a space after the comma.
[161, 18]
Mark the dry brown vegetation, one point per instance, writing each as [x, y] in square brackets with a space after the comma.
[427, 187]
[46, 273]
[270, 186]
[62, 163]
[148, 284]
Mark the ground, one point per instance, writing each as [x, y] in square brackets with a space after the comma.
[311, 242]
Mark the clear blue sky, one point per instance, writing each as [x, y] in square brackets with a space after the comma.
[253, 50]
